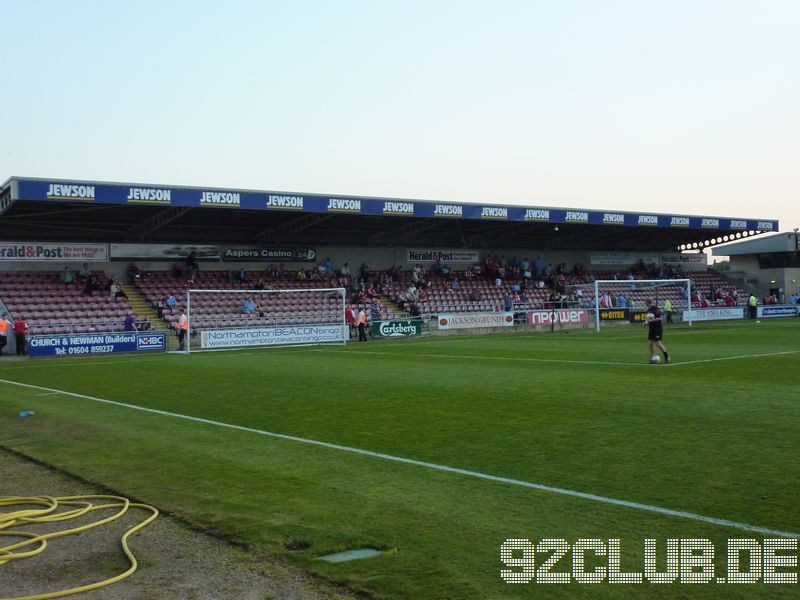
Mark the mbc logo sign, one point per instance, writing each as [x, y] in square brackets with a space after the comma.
[154, 341]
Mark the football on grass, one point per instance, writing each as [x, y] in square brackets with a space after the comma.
[655, 359]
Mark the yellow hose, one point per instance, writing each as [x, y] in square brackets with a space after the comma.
[53, 511]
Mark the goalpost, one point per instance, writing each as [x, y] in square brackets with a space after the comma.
[636, 292]
[224, 319]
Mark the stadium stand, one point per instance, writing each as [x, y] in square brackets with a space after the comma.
[51, 307]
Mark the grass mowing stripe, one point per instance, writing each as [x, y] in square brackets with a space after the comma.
[507, 358]
[398, 459]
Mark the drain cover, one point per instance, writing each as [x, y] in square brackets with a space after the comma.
[354, 554]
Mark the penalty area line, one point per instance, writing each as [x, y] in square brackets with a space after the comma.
[740, 357]
[668, 512]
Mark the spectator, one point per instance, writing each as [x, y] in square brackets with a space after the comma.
[350, 317]
[116, 290]
[133, 273]
[345, 270]
[171, 302]
[374, 315]
[328, 266]
[248, 306]
[301, 275]
[508, 303]
[20, 331]
[730, 300]
[67, 277]
[242, 276]
[145, 325]
[260, 285]
[191, 262]
[161, 305]
[475, 296]
[130, 323]
[91, 285]
[84, 272]
[454, 285]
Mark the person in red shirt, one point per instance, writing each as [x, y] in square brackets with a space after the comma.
[20, 331]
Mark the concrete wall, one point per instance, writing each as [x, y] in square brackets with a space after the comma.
[761, 279]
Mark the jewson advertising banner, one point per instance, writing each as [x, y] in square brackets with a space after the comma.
[787, 310]
[79, 344]
[714, 314]
[470, 320]
[406, 328]
[91, 192]
[35, 251]
[559, 316]
[431, 255]
[272, 336]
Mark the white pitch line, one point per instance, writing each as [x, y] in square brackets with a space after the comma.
[48, 394]
[436, 467]
[504, 358]
[742, 356]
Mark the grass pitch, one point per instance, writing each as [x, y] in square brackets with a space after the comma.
[713, 434]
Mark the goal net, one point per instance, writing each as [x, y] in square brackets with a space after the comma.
[625, 301]
[220, 319]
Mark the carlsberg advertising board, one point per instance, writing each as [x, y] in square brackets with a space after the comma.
[396, 328]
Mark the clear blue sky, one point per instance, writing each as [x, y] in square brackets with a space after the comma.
[681, 106]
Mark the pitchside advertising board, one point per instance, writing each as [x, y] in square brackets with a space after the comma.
[783, 310]
[406, 328]
[59, 252]
[272, 336]
[88, 192]
[560, 316]
[475, 320]
[714, 314]
[614, 314]
[85, 344]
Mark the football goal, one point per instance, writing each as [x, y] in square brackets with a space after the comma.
[221, 319]
[625, 301]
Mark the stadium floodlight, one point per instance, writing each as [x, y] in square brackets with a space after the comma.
[225, 319]
[636, 292]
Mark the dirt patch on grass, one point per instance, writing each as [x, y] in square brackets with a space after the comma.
[174, 561]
